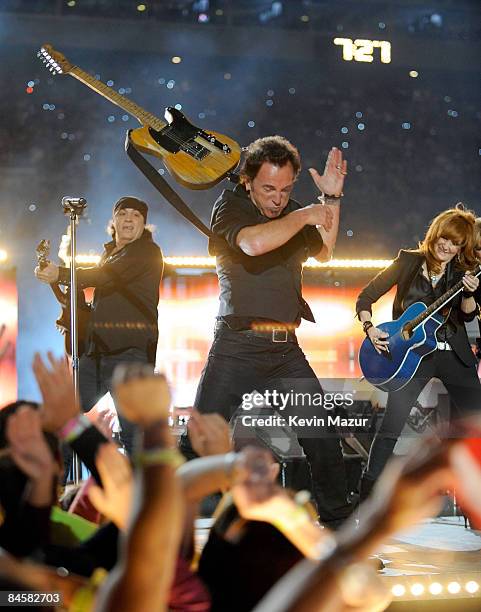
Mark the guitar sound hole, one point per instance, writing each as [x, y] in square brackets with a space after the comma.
[406, 332]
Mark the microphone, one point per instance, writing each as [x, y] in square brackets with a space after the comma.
[74, 206]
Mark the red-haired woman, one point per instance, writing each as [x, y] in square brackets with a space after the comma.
[444, 257]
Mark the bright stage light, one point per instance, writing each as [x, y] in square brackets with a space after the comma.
[435, 588]
[454, 588]
[209, 262]
[349, 263]
[83, 260]
[417, 589]
[472, 586]
[398, 590]
[3, 256]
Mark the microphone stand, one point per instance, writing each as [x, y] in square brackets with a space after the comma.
[74, 209]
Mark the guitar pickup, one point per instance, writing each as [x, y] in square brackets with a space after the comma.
[195, 150]
[213, 140]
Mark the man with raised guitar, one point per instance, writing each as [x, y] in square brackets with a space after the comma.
[261, 238]
[123, 323]
[444, 258]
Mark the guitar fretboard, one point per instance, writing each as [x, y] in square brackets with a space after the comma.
[439, 303]
[134, 109]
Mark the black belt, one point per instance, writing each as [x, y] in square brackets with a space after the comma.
[276, 334]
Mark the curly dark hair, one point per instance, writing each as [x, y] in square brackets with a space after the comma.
[275, 150]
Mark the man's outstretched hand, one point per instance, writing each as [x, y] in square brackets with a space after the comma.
[332, 181]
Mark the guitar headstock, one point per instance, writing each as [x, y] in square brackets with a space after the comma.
[56, 62]
[43, 251]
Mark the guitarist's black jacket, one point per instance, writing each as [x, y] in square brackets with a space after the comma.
[402, 273]
[124, 308]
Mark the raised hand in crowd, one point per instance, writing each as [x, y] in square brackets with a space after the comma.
[209, 434]
[114, 498]
[409, 490]
[104, 420]
[56, 386]
[143, 575]
[142, 396]
[32, 455]
[257, 473]
[258, 498]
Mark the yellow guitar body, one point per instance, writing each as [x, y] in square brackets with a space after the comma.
[184, 168]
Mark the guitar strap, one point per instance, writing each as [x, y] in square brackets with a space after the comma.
[163, 187]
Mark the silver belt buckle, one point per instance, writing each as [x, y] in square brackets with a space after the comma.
[443, 346]
[283, 337]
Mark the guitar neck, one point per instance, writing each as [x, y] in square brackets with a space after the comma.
[143, 116]
[440, 302]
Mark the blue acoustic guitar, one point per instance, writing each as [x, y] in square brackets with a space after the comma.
[411, 337]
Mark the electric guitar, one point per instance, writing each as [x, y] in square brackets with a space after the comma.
[63, 297]
[411, 338]
[196, 159]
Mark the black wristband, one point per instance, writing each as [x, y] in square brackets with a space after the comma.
[467, 294]
[367, 325]
[331, 196]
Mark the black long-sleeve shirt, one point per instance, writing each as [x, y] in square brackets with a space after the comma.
[124, 308]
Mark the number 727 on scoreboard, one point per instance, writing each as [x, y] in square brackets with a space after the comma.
[362, 49]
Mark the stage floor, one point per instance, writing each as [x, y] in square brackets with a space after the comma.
[438, 546]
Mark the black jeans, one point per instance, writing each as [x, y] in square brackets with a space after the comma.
[95, 373]
[462, 384]
[240, 363]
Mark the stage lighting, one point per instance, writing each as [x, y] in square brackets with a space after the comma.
[398, 590]
[417, 589]
[435, 588]
[209, 262]
[3, 256]
[454, 588]
[472, 587]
